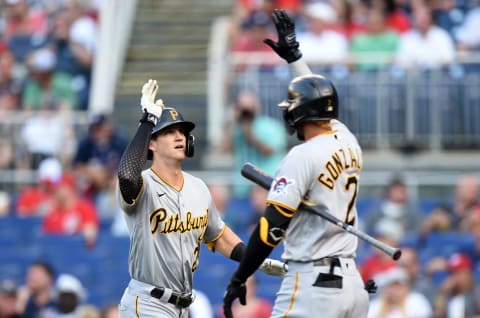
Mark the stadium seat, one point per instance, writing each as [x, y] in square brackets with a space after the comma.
[23, 230]
[447, 243]
[426, 205]
[11, 271]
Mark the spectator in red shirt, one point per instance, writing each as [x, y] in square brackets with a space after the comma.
[70, 213]
[396, 19]
[36, 200]
[379, 262]
[23, 20]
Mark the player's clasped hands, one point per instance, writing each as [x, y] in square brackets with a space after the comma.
[273, 267]
[148, 103]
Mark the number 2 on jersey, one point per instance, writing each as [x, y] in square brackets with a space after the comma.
[350, 217]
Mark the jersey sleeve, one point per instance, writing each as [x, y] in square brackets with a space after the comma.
[292, 180]
[215, 225]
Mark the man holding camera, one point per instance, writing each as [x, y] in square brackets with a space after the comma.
[253, 137]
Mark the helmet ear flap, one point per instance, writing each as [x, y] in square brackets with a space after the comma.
[287, 117]
[190, 147]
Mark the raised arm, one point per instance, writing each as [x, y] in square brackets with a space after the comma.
[135, 156]
[287, 46]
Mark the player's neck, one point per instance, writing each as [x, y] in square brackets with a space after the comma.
[316, 128]
[169, 173]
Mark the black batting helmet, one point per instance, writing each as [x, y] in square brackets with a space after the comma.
[170, 116]
[310, 97]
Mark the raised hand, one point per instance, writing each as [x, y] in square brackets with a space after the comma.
[147, 102]
[287, 45]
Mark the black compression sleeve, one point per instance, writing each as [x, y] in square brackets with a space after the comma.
[238, 252]
[133, 161]
[255, 254]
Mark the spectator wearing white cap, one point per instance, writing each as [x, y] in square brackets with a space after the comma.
[45, 88]
[71, 298]
[320, 44]
[396, 299]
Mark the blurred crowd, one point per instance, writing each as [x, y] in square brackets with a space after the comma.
[46, 54]
[47, 49]
[48, 295]
[364, 35]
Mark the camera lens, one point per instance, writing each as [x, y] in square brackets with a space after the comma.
[246, 114]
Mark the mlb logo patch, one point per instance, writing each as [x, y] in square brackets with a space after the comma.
[280, 185]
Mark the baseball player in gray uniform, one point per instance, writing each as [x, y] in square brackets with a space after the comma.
[169, 213]
[324, 171]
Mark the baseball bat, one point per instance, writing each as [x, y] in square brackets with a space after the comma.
[255, 174]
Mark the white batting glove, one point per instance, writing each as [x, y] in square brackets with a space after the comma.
[274, 267]
[148, 103]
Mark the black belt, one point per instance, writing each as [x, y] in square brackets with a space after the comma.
[179, 300]
[327, 261]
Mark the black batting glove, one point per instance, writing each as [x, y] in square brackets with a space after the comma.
[287, 45]
[235, 289]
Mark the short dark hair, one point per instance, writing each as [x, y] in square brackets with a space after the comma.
[46, 267]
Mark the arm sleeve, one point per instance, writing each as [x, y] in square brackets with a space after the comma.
[256, 253]
[260, 246]
[133, 161]
[299, 68]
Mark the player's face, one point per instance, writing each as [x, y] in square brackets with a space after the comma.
[170, 143]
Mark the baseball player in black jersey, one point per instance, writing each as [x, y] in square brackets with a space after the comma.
[169, 213]
[324, 171]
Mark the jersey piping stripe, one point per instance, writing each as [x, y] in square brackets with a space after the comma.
[292, 299]
[211, 244]
[283, 211]
[327, 133]
[283, 205]
[168, 184]
[137, 314]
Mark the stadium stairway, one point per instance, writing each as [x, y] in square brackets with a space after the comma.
[169, 43]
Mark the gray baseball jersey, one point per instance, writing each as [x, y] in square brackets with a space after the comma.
[166, 229]
[324, 171]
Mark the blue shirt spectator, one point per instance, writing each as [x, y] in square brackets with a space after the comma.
[98, 155]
